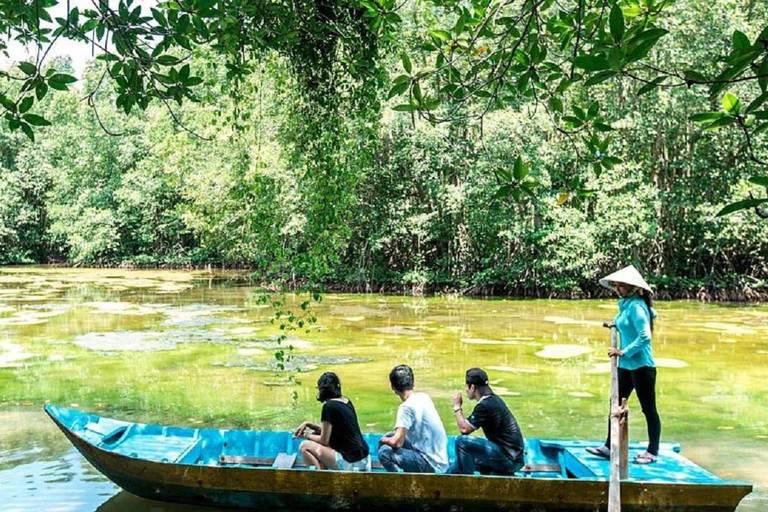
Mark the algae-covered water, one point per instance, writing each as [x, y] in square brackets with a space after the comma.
[198, 349]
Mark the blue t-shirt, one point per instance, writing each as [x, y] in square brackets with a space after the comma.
[634, 325]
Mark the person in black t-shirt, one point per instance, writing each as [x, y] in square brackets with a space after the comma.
[501, 453]
[337, 442]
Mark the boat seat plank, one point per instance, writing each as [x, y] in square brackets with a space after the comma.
[270, 461]
[541, 468]
[284, 461]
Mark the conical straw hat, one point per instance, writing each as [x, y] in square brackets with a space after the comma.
[628, 275]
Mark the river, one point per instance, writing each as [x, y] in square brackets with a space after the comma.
[197, 349]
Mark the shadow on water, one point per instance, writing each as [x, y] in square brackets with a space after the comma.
[126, 502]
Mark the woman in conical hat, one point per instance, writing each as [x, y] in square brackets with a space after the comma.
[637, 370]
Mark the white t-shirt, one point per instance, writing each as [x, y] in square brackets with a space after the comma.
[425, 429]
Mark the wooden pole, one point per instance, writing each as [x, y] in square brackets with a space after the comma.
[614, 487]
[624, 423]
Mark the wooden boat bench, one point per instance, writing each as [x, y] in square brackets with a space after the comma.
[279, 462]
[288, 461]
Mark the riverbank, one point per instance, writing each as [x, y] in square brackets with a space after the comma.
[737, 289]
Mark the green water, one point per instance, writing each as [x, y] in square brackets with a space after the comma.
[196, 349]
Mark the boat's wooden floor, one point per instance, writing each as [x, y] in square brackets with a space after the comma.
[669, 466]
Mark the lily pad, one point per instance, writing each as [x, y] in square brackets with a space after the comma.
[298, 363]
[600, 368]
[145, 341]
[251, 351]
[120, 308]
[12, 355]
[563, 351]
[272, 343]
[511, 369]
[722, 327]
[501, 391]
[484, 341]
[563, 320]
[663, 362]
[398, 330]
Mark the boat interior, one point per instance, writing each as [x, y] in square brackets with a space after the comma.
[550, 459]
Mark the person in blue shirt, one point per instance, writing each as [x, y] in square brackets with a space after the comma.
[637, 370]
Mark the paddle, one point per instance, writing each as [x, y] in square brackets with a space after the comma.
[614, 488]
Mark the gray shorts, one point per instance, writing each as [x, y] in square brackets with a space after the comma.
[363, 464]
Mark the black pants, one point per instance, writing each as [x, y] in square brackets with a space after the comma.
[642, 380]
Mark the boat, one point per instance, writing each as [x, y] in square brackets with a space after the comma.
[259, 469]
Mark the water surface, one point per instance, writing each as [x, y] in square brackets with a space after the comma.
[198, 349]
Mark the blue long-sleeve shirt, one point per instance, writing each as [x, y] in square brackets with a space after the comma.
[634, 325]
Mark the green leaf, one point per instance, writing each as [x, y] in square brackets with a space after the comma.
[407, 66]
[407, 107]
[706, 117]
[760, 129]
[440, 34]
[759, 180]
[740, 41]
[651, 86]
[62, 78]
[617, 23]
[692, 76]
[167, 60]
[594, 108]
[741, 205]
[520, 169]
[26, 104]
[503, 191]
[193, 81]
[756, 103]
[28, 68]
[731, 103]
[417, 92]
[556, 104]
[398, 89]
[719, 123]
[600, 77]
[28, 131]
[602, 127]
[58, 86]
[36, 120]
[591, 62]
[40, 90]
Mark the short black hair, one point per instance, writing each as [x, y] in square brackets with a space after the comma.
[328, 387]
[477, 377]
[401, 378]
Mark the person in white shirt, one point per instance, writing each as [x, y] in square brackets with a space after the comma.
[418, 444]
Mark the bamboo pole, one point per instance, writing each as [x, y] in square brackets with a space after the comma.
[614, 488]
[624, 423]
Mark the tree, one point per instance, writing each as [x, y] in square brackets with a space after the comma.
[475, 56]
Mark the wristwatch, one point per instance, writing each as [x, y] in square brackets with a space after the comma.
[456, 408]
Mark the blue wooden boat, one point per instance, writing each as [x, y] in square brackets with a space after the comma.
[242, 468]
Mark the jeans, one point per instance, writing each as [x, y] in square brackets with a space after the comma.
[642, 380]
[405, 458]
[479, 454]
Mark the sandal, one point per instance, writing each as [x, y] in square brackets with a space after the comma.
[646, 458]
[599, 451]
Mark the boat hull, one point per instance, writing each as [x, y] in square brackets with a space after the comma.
[297, 489]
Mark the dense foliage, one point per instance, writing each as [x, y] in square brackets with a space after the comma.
[304, 168]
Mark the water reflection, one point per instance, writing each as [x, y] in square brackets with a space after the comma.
[66, 484]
